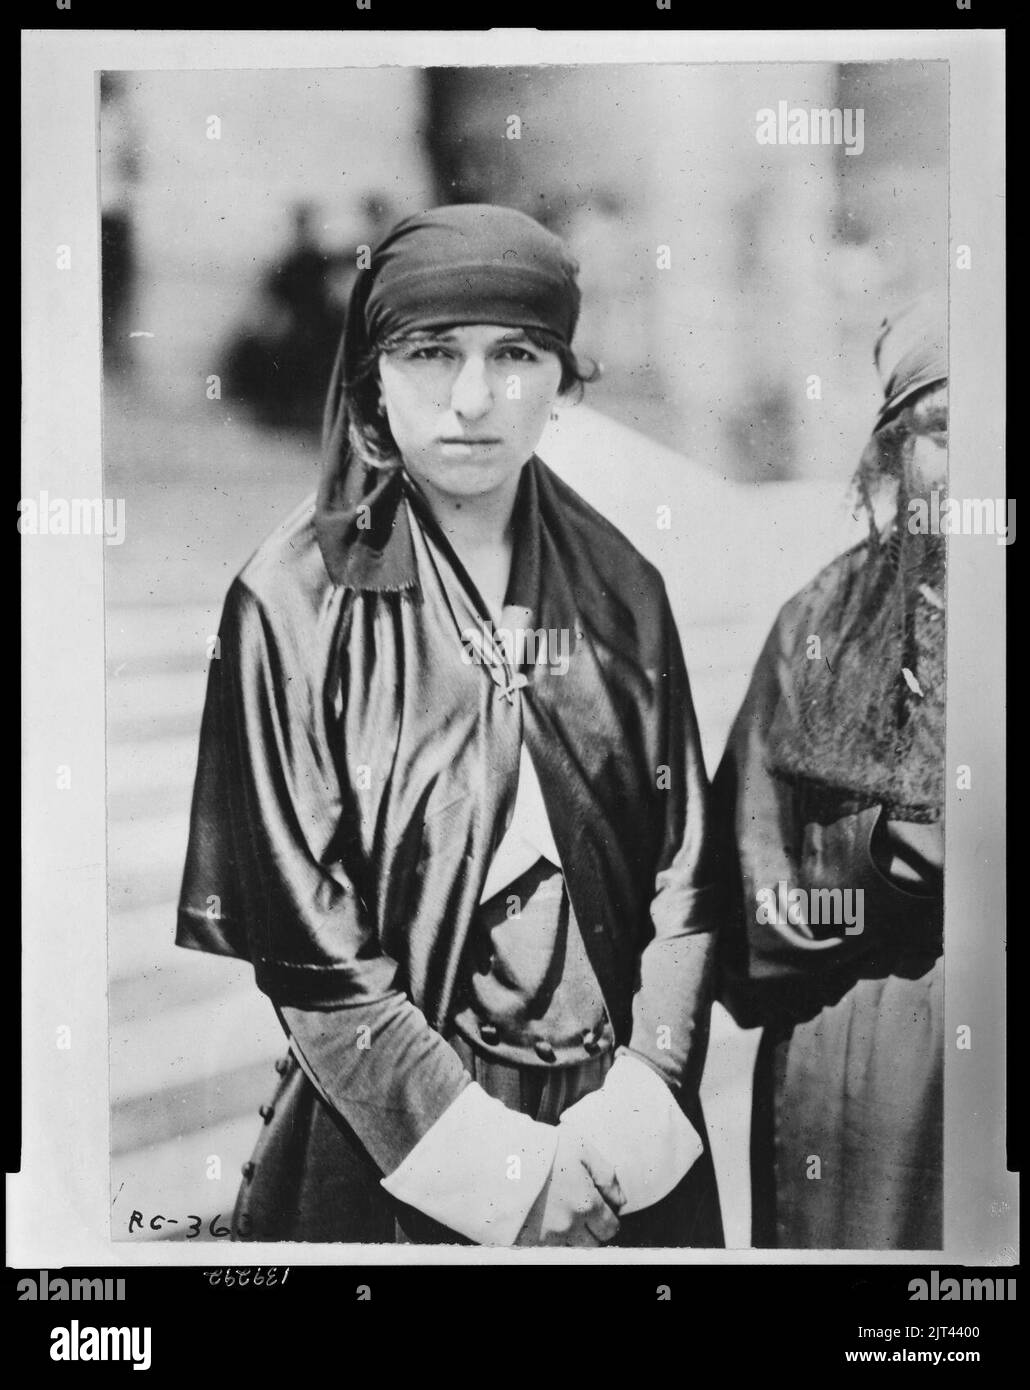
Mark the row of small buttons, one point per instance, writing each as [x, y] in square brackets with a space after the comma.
[267, 1112]
[590, 1038]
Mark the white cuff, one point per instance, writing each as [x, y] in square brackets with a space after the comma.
[635, 1122]
[479, 1169]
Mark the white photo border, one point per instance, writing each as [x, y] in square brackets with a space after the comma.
[59, 1203]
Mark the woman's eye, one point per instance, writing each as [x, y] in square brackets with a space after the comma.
[430, 353]
[518, 354]
[937, 430]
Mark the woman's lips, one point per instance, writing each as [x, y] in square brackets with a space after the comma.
[469, 446]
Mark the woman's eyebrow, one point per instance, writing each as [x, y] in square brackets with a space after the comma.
[446, 335]
[428, 335]
[421, 337]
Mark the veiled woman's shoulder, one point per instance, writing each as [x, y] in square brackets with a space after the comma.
[795, 618]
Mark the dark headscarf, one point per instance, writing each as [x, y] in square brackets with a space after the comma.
[468, 263]
[911, 353]
[868, 718]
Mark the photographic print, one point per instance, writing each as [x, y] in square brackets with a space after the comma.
[529, 528]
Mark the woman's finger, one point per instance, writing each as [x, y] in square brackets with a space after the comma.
[603, 1175]
[603, 1224]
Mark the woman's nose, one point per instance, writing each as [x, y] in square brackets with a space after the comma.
[471, 396]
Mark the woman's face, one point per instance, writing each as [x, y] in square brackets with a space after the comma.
[467, 405]
[928, 464]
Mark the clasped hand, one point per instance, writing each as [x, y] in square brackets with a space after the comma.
[579, 1202]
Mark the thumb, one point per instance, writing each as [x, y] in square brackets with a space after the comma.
[602, 1173]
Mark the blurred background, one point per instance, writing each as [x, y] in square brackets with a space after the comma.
[732, 292]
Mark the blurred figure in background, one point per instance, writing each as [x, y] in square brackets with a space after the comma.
[278, 361]
[119, 173]
[833, 780]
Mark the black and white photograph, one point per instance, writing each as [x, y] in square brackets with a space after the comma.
[533, 715]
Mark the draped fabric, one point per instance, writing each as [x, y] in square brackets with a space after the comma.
[356, 774]
[864, 696]
[847, 1135]
[859, 1090]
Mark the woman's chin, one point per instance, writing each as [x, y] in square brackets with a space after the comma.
[464, 479]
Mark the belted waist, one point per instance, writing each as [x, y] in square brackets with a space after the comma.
[528, 994]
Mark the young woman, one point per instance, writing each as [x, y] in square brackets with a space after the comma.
[450, 798]
[832, 786]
